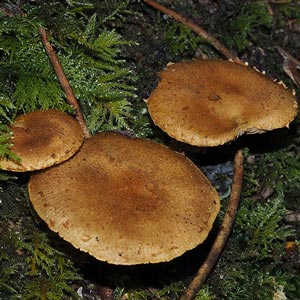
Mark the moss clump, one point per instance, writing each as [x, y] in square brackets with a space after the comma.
[251, 22]
[87, 37]
[256, 264]
[91, 55]
[181, 39]
[32, 269]
[31, 266]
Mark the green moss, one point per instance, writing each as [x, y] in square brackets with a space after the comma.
[278, 169]
[260, 230]
[286, 11]
[88, 40]
[181, 39]
[50, 271]
[255, 264]
[168, 292]
[32, 269]
[5, 143]
[33, 263]
[251, 21]
[246, 282]
[91, 56]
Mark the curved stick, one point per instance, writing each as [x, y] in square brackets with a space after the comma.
[224, 232]
[71, 99]
[197, 29]
[234, 200]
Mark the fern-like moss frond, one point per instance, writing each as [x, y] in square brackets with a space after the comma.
[252, 18]
[5, 143]
[105, 46]
[262, 228]
[6, 106]
[27, 66]
[18, 37]
[91, 57]
[40, 271]
[50, 270]
[106, 93]
[109, 115]
[181, 39]
[113, 10]
[32, 93]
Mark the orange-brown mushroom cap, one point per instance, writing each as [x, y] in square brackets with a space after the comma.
[211, 102]
[126, 201]
[41, 139]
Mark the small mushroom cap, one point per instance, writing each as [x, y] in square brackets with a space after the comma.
[41, 139]
[126, 201]
[211, 102]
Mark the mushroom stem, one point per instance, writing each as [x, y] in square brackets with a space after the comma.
[224, 232]
[197, 29]
[71, 99]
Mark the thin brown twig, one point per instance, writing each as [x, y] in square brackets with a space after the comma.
[224, 232]
[71, 99]
[228, 221]
[197, 29]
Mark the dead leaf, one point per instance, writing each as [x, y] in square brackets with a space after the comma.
[291, 66]
[292, 217]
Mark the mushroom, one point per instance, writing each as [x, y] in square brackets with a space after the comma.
[126, 200]
[41, 139]
[211, 102]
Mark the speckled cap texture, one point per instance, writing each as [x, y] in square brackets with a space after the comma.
[41, 139]
[211, 102]
[126, 200]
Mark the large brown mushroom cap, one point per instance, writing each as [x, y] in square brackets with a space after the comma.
[126, 201]
[211, 102]
[41, 139]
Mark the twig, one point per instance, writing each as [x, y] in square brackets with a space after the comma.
[224, 232]
[197, 29]
[234, 200]
[71, 99]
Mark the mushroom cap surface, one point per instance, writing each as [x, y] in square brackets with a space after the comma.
[126, 201]
[41, 139]
[211, 102]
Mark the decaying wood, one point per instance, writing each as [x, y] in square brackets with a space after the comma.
[197, 29]
[71, 99]
[224, 232]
